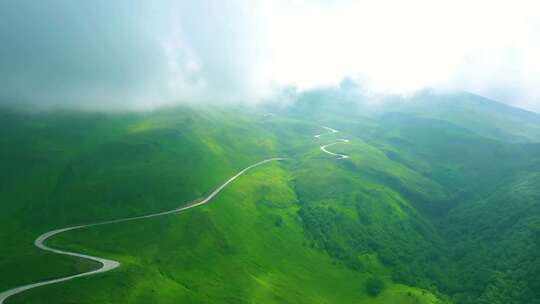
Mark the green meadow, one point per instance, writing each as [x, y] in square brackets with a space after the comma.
[426, 209]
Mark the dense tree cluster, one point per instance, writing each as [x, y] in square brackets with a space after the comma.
[496, 252]
[483, 251]
[402, 247]
[374, 286]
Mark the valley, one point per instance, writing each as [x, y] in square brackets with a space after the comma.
[269, 152]
[385, 199]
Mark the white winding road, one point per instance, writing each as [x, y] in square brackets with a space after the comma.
[326, 128]
[339, 156]
[108, 265]
[339, 141]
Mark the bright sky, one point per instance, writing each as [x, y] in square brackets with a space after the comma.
[145, 53]
[490, 47]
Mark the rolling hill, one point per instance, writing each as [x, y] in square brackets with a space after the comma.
[436, 203]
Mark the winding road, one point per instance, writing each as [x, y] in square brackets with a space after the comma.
[339, 156]
[339, 141]
[107, 265]
[326, 128]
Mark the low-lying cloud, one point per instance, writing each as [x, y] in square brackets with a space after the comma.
[117, 54]
[138, 54]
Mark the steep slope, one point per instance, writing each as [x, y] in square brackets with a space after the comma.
[488, 219]
[428, 197]
[498, 238]
[465, 163]
[61, 169]
[481, 115]
[231, 251]
[485, 216]
[247, 246]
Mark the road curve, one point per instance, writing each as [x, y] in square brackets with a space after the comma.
[339, 156]
[108, 265]
[328, 129]
[340, 141]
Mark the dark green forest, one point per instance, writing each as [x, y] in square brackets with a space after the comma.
[474, 242]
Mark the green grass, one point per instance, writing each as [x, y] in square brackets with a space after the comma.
[421, 201]
[60, 169]
[232, 250]
[249, 245]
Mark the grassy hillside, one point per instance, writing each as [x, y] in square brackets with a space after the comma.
[247, 246]
[476, 113]
[60, 169]
[488, 220]
[473, 186]
[230, 251]
[428, 208]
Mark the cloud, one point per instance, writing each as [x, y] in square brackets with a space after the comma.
[116, 54]
[141, 54]
[488, 47]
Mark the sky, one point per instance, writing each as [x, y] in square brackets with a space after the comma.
[134, 54]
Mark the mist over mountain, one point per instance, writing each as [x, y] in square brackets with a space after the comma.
[141, 55]
[124, 54]
[280, 151]
[427, 199]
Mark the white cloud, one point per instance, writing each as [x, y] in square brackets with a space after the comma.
[405, 45]
[166, 50]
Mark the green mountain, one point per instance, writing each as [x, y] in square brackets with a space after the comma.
[436, 202]
[481, 115]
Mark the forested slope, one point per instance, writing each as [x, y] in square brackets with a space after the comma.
[426, 208]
